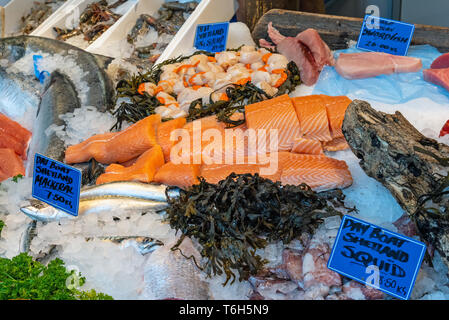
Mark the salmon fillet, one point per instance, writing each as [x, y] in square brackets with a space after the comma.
[312, 116]
[164, 131]
[336, 108]
[214, 173]
[117, 147]
[319, 172]
[14, 136]
[143, 170]
[307, 146]
[277, 113]
[179, 175]
[338, 144]
[196, 138]
[10, 164]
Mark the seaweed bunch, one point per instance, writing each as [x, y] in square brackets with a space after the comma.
[140, 106]
[243, 213]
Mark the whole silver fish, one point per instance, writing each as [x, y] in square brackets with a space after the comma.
[27, 237]
[130, 189]
[169, 275]
[45, 213]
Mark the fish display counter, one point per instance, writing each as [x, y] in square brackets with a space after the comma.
[214, 174]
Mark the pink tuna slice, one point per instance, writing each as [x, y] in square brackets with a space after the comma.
[437, 76]
[442, 62]
[371, 64]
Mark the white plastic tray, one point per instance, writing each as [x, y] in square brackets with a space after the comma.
[11, 14]
[121, 28]
[208, 11]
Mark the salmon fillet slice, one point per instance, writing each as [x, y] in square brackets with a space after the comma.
[214, 173]
[337, 144]
[14, 136]
[143, 170]
[312, 116]
[179, 175]
[164, 131]
[277, 113]
[336, 108]
[117, 147]
[307, 146]
[10, 164]
[319, 172]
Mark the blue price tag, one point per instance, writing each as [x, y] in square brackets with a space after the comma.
[40, 75]
[385, 35]
[57, 184]
[375, 256]
[212, 37]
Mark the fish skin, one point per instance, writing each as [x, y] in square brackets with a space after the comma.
[166, 269]
[46, 213]
[27, 237]
[133, 189]
[60, 95]
[18, 90]
[101, 90]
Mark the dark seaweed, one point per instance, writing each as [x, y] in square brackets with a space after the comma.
[243, 213]
[140, 106]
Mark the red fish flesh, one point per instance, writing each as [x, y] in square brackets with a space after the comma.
[442, 62]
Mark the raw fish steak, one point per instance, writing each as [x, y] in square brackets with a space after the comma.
[442, 62]
[372, 64]
[439, 77]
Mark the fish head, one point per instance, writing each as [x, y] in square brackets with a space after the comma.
[31, 212]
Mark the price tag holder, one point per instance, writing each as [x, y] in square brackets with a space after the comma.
[385, 35]
[57, 184]
[375, 256]
[212, 37]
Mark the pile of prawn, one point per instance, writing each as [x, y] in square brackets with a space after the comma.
[207, 77]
